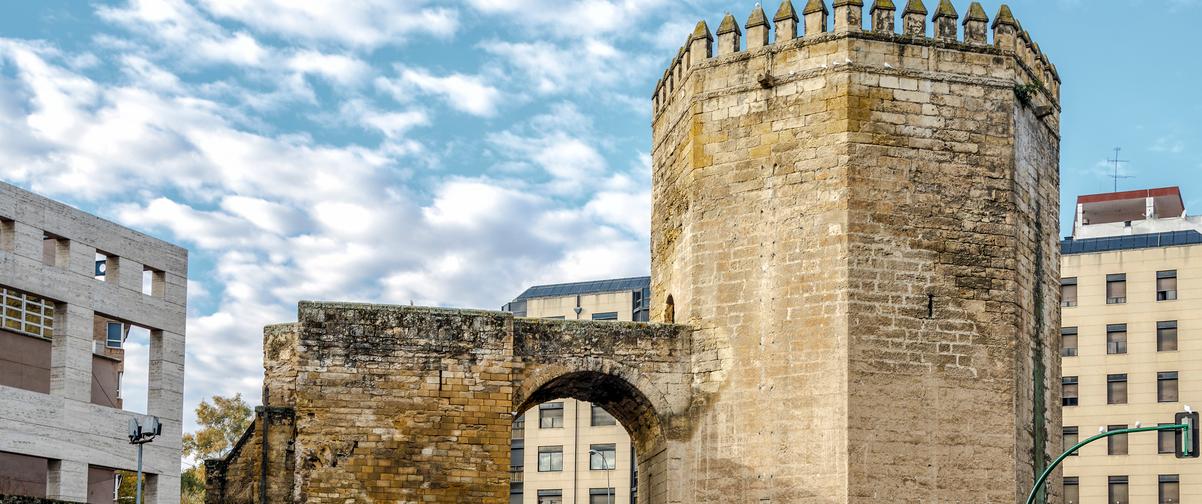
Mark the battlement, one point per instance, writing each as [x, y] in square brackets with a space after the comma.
[814, 26]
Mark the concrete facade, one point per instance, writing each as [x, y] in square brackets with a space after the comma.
[854, 270]
[74, 425]
[1160, 337]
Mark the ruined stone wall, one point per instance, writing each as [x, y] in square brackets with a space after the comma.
[402, 405]
[280, 364]
[238, 477]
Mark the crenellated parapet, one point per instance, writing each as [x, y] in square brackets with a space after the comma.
[816, 22]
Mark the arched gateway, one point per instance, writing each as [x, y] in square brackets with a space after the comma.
[857, 233]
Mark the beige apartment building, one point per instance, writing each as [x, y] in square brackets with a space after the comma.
[569, 451]
[1131, 279]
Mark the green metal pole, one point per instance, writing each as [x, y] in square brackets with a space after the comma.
[1044, 477]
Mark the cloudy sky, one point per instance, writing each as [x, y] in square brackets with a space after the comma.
[444, 153]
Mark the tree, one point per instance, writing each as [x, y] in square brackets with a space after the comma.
[221, 423]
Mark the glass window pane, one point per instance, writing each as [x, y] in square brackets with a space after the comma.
[1068, 295]
[1116, 292]
[1068, 345]
[600, 417]
[1166, 339]
[1072, 491]
[1116, 342]
[1116, 445]
[1166, 387]
[1170, 489]
[1070, 437]
[1118, 490]
[1166, 441]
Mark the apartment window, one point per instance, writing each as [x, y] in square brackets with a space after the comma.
[112, 337]
[550, 415]
[613, 315]
[1166, 336]
[1116, 444]
[602, 457]
[550, 458]
[600, 496]
[1068, 292]
[550, 497]
[1118, 490]
[1166, 441]
[1072, 490]
[1170, 489]
[1068, 342]
[1166, 285]
[1116, 339]
[1068, 391]
[26, 313]
[1166, 386]
[557, 317]
[1116, 389]
[1116, 288]
[1070, 436]
[601, 418]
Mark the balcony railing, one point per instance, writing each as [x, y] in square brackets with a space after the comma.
[515, 473]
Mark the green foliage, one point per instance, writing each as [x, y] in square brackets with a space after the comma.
[1024, 92]
[127, 485]
[221, 424]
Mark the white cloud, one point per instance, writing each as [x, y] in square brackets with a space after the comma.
[466, 93]
[1171, 144]
[578, 67]
[359, 23]
[337, 68]
[573, 18]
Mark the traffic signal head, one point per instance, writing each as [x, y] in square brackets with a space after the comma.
[1187, 441]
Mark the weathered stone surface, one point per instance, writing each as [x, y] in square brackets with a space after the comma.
[857, 234]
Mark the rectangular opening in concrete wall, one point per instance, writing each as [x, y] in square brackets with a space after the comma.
[153, 281]
[56, 250]
[102, 484]
[120, 363]
[105, 263]
[8, 234]
[23, 475]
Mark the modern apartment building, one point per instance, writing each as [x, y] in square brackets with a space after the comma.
[569, 451]
[1132, 344]
[72, 288]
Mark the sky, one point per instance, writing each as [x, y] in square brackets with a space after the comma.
[447, 153]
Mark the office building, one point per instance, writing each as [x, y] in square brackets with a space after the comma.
[569, 451]
[1131, 298]
[73, 287]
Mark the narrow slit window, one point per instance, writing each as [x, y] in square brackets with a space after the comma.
[1166, 285]
[8, 235]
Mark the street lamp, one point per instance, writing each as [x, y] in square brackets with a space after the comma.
[609, 489]
[140, 434]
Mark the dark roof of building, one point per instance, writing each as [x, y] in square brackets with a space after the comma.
[591, 287]
[1069, 246]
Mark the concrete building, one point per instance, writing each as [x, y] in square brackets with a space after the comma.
[1131, 344]
[552, 460]
[72, 286]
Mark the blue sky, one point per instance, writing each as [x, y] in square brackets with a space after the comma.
[446, 153]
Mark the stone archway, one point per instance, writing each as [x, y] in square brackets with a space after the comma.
[631, 407]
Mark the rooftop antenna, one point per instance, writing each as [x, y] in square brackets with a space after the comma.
[1116, 162]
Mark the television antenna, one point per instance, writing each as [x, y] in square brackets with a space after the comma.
[1117, 162]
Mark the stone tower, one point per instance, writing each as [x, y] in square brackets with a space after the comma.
[861, 225]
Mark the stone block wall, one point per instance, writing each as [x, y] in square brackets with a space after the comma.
[241, 476]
